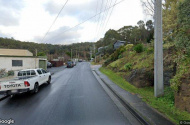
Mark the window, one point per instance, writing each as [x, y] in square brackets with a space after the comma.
[20, 73]
[17, 63]
[33, 73]
[39, 71]
[44, 71]
[28, 73]
[24, 73]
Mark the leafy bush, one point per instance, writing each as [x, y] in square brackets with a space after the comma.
[41, 54]
[120, 56]
[117, 52]
[183, 33]
[11, 73]
[107, 62]
[2, 72]
[139, 48]
[150, 50]
[129, 46]
[121, 49]
[128, 66]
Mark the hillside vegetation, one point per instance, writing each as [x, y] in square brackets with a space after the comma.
[133, 64]
[81, 48]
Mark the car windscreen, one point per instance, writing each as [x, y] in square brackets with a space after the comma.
[39, 71]
[44, 71]
[69, 62]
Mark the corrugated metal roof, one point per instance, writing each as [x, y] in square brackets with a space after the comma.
[15, 52]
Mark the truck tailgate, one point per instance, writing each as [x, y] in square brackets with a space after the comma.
[12, 85]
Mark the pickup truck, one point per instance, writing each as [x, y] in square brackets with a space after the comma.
[26, 81]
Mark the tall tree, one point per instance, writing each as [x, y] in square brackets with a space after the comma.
[170, 10]
[183, 32]
[150, 30]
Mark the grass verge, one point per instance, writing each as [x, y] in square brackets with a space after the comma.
[164, 104]
[94, 63]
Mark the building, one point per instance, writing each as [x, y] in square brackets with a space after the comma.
[19, 59]
[118, 43]
[100, 49]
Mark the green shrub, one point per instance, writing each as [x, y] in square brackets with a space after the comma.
[107, 62]
[139, 48]
[128, 66]
[120, 56]
[150, 50]
[11, 73]
[121, 49]
[2, 72]
[129, 46]
[183, 33]
[117, 52]
[41, 54]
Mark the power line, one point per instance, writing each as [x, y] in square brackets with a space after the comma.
[99, 18]
[90, 17]
[102, 19]
[109, 17]
[54, 21]
[103, 22]
[96, 20]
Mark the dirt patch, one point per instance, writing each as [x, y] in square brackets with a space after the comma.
[141, 77]
[169, 64]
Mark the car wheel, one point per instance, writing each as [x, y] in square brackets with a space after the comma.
[49, 80]
[12, 96]
[36, 88]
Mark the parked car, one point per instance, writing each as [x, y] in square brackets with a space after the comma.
[26, 81]
[49, 65]
[74, 63]
[80, 60]
[70, 64]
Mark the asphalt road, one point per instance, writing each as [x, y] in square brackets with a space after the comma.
[73, 98]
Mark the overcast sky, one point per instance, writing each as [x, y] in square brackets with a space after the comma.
[29, 20]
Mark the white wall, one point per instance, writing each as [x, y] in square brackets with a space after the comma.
[28, 63]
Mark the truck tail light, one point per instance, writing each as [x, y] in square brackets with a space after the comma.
[26, 83]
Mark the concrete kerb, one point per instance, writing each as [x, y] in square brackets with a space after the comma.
[144, 117]
[131, 109]
[137, 114]
[118, 103]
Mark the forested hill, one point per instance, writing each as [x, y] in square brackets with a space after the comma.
[81, 48]
[133, 34]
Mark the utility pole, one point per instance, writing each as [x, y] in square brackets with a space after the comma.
[76, 54]
[36, 52]
[90, 53]
[71, 54]
[158, 50]
[94, 49]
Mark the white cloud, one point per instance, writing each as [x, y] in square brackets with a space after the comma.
[58, 37]
[30, 20]
[10, 12]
